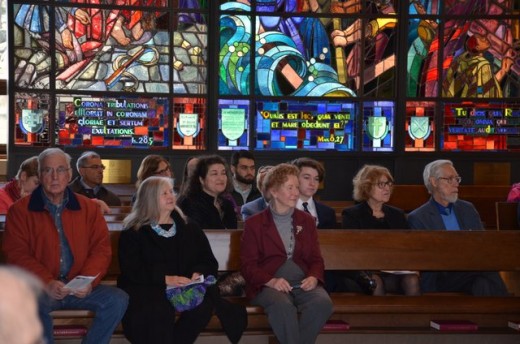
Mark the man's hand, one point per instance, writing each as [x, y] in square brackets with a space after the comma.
[82, 293]
[56, 291]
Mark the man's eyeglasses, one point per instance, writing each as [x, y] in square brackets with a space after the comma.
[451, 180]
[50, 170]
[383, 185]
[95, 167]
[164, 170]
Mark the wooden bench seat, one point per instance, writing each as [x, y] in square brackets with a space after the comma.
[382, 250]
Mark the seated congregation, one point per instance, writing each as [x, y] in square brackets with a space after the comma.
[292, 268]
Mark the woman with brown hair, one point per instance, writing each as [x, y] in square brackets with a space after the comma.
[204, 199]
[373, 187]
[23, 184]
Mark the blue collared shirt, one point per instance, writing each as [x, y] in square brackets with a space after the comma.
[448, 216]
[56, 211]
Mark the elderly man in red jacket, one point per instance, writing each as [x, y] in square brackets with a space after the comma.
[58, 235]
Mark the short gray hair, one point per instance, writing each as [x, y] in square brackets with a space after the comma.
[84, 157]
[433, 170]
[50, 152]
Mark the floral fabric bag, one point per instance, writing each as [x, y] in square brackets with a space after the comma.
[189, 297]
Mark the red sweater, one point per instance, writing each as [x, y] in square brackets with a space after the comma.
[31, 239]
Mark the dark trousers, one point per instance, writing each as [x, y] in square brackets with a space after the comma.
[477, 283]
[150, 318]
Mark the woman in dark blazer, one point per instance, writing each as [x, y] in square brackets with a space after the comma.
[282, 262]
[205, 199]
[159, 249]
[372, 189]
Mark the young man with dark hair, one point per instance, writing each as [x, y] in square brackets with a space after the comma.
[243, 170]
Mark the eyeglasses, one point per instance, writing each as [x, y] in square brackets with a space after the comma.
[59, 171]
[95, 167]
[382, 185]
[164, 170]
[450, 180]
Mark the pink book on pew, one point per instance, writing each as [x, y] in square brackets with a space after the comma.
[69, 330]
[453, 325]
[336, 325]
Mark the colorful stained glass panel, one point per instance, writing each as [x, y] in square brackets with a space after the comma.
[233, 124]
[189, 123]
[420, 127]
[122, 122]
[378, 126]
[31, 127]
[312, 125]
[490, 126]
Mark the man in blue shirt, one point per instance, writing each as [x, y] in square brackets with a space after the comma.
[444, 211]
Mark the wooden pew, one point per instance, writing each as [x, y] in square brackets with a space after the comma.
[377, 250]
[507, 215]
[391, 250]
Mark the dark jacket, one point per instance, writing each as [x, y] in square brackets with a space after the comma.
[360, 216]
[145, 257]
[326, 216]
[254, 194]
[103, 194]
[201, 210]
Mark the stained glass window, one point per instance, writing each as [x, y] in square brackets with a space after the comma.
[309, 125]
[420, 127]
[189, 123]
[112, 122]
[233, 124]
[479, 126]
[315, 75]
[139, 52]
[31, 119]
[378, 126]
[457, 61]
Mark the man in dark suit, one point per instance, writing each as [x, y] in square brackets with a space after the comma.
[311, 175]
[444, 211]
[90, 179]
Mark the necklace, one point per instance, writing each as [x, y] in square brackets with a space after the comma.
[161, 232]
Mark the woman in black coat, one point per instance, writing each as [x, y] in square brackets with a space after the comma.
[373, 187]
[158, 249]
[206, 199]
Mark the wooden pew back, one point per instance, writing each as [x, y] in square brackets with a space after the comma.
[507, 215]
[396, 249]
[382, 250]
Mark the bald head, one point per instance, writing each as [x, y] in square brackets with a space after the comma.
[19, 322]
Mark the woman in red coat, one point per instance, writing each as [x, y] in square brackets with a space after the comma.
[23, 184]
[282, 262]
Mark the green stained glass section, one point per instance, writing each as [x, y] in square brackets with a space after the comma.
[234, 54]
[421, 34]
